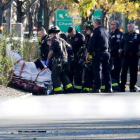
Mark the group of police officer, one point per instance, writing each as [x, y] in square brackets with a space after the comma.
[91, 63]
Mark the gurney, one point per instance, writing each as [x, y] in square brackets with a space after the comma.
[29, 76]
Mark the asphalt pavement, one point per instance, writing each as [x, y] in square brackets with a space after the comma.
[71, 116]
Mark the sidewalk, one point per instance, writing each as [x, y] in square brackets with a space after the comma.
[8, 93]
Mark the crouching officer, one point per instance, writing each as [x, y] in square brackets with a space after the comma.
[98, 46]
[44, 44]
[59, 53]
[88, 69]
[77, 41]
[114, 42]
[130, 46]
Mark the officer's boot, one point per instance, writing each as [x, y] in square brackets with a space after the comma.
[108, 91]
[132, 89]
[77, 90]
[97, 91]
[122, 87]
[71, 90]
[87, 90]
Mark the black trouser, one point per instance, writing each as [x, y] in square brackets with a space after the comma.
[88, 77]
[76, 74]
[129, 62]
[58, 76]
[68, 69]
[101, 66]
[117, 62]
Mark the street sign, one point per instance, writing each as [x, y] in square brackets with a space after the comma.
[97, 14]
[64, 20]
[43, 19]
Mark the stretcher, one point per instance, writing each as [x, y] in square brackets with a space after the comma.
[28, 76]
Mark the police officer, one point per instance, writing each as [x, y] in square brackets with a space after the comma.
[98, 46]
[130, 46]
[59, 53]
[44, 44]
[77, 40]
[88, 69]
[114, 42]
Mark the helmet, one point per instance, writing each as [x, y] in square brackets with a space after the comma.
[54, 29]
[89, 25]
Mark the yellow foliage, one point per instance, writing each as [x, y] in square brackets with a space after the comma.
[129, 8]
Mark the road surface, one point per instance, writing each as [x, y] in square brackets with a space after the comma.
[71, 116]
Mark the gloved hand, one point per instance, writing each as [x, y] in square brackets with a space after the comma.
[44, 62]
[70, 47]
[47, 63]
[80, 61]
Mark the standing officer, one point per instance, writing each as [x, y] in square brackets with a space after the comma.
[44, 44]
[114, 42]
[98, 46]
[130, 46]
[77, 40]
[59, 53]
[88, 68]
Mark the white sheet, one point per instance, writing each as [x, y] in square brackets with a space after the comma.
[30, 71]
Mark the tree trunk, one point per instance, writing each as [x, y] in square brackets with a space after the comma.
[83, 26]
[103, 19]
[19, 12]
[1, 12]
[46, 15]
[40, 14]
[30, 24]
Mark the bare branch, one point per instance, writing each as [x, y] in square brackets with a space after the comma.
[6, 6]
[27, 10]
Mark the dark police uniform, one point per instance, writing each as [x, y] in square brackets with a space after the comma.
[99, 48]
[114, 43]
[130, 46]
[88, 70]
[44, 47]
[77, 43]
[58, 66]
